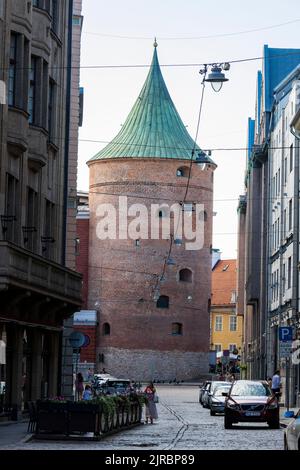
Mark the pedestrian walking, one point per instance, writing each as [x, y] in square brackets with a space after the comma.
[276, 382]
[90, 375]
[79, 385]
[151, 410]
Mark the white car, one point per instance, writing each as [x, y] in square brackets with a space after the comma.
[292, 434]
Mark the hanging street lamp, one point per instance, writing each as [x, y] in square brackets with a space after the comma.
[216, 77]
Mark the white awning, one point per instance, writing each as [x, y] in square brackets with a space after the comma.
[231, 356]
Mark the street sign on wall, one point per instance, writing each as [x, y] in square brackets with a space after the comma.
[285, 333]
[77, 339]
[285, 348]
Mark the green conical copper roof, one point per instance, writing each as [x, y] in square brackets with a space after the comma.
[153, 128]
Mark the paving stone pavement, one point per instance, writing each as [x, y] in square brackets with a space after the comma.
[183, 425]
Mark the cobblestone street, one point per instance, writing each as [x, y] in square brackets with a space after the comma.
[183, 425]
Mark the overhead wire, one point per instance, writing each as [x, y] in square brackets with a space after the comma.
[195, 64]
[183, 38]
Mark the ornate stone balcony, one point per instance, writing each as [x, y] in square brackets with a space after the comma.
[30, 283]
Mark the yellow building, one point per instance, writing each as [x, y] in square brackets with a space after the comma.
[226, 325]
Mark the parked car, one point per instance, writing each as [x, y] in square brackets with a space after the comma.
[251, 401]
[202, 390]
[98, 382]
[292, 433]
[210, 390]
[217, 399]
[112, 386]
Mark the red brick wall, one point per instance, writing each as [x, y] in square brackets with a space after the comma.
[82, 259]
[116, 272]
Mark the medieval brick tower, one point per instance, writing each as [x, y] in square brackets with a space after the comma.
[151, 326]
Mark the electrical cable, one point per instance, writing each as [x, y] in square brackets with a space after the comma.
[132, 66]
[188, 38]
[172, 237]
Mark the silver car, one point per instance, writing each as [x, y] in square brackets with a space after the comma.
[210, 390]
[292, 433]
[217, 399]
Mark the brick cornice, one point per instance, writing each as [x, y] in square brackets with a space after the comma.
[148, 183]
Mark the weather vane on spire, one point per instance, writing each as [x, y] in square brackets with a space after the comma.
[155, 43]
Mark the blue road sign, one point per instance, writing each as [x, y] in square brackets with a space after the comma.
[285, 333]
[77, 339]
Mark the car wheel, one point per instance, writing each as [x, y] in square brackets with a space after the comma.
[227, 423]
[212, 413]
[274, 424]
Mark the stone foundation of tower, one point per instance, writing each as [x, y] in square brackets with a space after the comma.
[144, 365]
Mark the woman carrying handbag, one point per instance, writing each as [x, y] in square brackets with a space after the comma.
[152, 399]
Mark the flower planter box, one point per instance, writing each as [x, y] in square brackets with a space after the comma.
[83, 417]
[52, 418]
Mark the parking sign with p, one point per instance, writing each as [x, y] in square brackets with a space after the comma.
[285, 333]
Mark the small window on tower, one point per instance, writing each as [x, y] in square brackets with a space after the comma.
[106, 329]
[163, 302]
[183, 172]
[177, 329]
[185, 275]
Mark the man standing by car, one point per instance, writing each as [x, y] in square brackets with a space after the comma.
[276, 383]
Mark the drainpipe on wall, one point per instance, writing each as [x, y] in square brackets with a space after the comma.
[296, 134]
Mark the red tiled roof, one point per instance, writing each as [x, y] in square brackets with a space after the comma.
[224, 282]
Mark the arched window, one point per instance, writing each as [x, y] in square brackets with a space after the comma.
[185, 275]
[106, 329]
[163, 302]
[183, 172]
[177, 329]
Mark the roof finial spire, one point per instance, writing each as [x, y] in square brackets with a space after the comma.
[155, 43]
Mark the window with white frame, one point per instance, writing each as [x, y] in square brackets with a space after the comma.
[283, 278]
[284, 223]
[290, 214]
[285, 170]
[219, 323]
[291, 157]
[289, 272]
[233, 323]
[218, 347]
[232, 347]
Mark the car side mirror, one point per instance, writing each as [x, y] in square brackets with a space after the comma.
[225, 394]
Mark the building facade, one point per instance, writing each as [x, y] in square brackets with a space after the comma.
[226, 321]
[269, 220]
[85, 321]
[74, 100]
[153, 295]
[37, 291]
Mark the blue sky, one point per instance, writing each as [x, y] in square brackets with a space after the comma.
[110, 93]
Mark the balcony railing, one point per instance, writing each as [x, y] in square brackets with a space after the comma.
[22, 269]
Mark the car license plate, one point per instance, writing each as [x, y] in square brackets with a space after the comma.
[252, 413]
